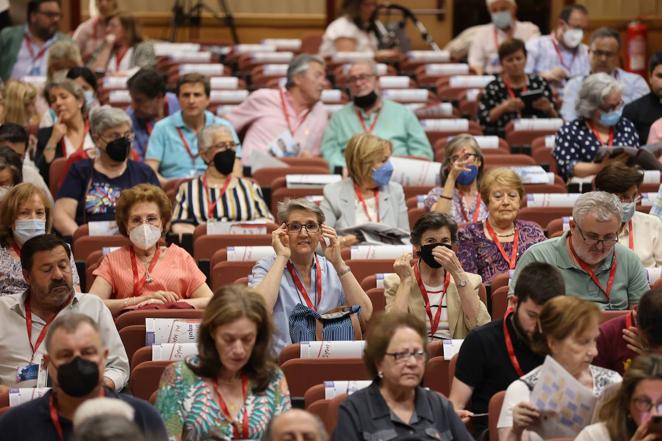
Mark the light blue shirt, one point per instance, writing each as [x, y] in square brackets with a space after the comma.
[542, 57]
[634, 86]
[166, 146]
[288, 295]
[26, 64]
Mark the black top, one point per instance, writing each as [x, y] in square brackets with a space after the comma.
[32, 420]
[366, 416]
[43, 135]
[643, 112]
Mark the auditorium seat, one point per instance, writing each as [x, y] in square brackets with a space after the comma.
[332, 412]
[493, 411]
[362, 268]
[265, 176]
[132, 318]
[313, 394]
[144, 378]
[499, 302]
[302, 373]
[133, 338]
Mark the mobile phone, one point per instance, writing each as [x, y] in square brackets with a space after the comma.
[655, 425]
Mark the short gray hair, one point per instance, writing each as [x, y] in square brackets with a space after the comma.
[70, 86]
[605, 206]
[206, 135]
[289, 205]
[321, 429]
[102, 406]
[107, 428]
[69, 323]
[300, 64]
[368, 62]
[107, 117]
[595, 88]
[64, 51]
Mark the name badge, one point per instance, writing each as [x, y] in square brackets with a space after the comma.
[27, 373]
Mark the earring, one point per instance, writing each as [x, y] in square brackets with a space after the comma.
[380, 374]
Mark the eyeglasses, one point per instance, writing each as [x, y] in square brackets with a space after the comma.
[51, 15]
[644, 404]
[607, 54]
[464, 158]
[152, 220]
[592, 241]
[127, 135]
[362, 77]
[223, 146]
[401, 357]
[626, 200]
[621, 104]
[295, 227]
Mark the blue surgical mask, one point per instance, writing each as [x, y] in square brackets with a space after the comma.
[89, 98]
[26, 229]
[628, 211]
[610, 119]
[467, 177]
[502, 20]
[382, 175]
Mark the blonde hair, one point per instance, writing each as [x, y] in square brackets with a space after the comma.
[63, 52]
[500, 176]
[18, 96]
[362, 152]
[10, 205]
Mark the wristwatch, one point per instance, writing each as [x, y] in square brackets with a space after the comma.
[462, 283]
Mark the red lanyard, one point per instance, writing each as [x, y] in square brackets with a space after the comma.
[226, 412]
[465, 216]
[28, 44]
[119, 56]
[211, 207]
[44, 330]
[610, 142]
[589, 271]
[359, 195]
[512, 260]
[509, 344]
[55, 418]
[630, 235]
[434, 323]
[63, 145]
[283, 107]
[138, 285]
[558, 53]
[149, 125]
[510, 90]
[509, 35]
[302, 289]
[16, 249]
[629, 319]
[374, 122]
[186, 146]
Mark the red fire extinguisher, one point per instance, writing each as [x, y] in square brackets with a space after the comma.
[635, 54]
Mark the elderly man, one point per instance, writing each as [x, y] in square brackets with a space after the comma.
[25, 318]
[369, 112]
[594, 265]
[172, 150]
[287, 121]
[296, 425]
[483, 56]
[76, 358]
[604, 50]
[561, 54]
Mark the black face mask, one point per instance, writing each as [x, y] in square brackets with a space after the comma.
[365, 101]
[426, 253]
[118, 149]
[78, 378]
[224, 161]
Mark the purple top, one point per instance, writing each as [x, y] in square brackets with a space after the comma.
[479, 255]
[456, 211]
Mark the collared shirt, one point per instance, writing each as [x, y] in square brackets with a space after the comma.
[484, 47]
[542, 57]
[263, 116]
[143, 128]
[344, 27]
[457, 205]
[25, 63]
[15, 351]
[288, 295]
[365, 415]
[89, 35]
[634, 86]
[166, 146]
[643, 112]
[647, 235]
[394, 122]
[630, 280]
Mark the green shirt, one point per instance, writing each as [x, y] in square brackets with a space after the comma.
[630, 280]
[395, 122]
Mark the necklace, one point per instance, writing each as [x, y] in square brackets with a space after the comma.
[512, 233]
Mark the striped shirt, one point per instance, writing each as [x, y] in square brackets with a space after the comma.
[435, 296]
[241, 201]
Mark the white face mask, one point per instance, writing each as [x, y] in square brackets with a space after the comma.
[145, 236]
[573, 37]
[26, 229]
[89, 98]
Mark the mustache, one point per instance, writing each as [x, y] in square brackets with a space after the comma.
[57, 284]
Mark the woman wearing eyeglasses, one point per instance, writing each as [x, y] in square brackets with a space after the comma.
[216, 195]
[395, 405]
[296, 275]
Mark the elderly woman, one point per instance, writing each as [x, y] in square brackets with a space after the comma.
[87, 81]
[296, 275]
[567, 330]
[493, 246]
[367, 194]
[395, 404]
[505, 99]
[91, 34]
[351, 32]
[159, 274]
[233, 388]
[600, 123]
[25, 212]
[123, 48]
[461, 172]
[92, 186]
[435, 288]
[217, 195]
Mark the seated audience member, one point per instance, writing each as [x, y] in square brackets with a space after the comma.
[123, 48]
[16, 138]
[603, 55]
[107, 428]
[600, 123]
[566, 331]
[627, 413]
[352, 31]
[24, 45]
[45, 260]
[495, 245]
[395, 403]
[217, 195]
[646, 110]
[149, 103]
[92, 186]
[297, 277]
[483, 58]
[159, 274]
[367, 194]
[87, 81]
[233, 388]
[435, 288]
[594, 265]
[102, 406]
[503, 99]
[296, 424]
[11, 169]
[561, 55]
[484, 366]
[25, 212]
[91, 34]
[461, 171]
[370, 112]
[62, 56]
[296, 112]
[641, 232]
[173, 145]
[77, 355]
[20, 104]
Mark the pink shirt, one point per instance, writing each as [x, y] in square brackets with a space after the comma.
[264, 118]
[655, 133]
[89, 35]
[175, 271]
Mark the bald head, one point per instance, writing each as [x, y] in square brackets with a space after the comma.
[296, 425]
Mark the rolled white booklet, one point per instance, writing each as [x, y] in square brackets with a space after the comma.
[332, 349]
